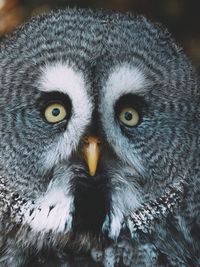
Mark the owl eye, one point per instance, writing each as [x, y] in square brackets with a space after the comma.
[129, 116]
[55, 113]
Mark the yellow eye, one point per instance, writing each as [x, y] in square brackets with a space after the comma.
[129, 116]
[55, 113]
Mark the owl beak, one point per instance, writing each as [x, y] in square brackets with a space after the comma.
[91, 153]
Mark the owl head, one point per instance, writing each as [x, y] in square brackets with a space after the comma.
[99, 114]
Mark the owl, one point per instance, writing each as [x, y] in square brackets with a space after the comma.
[99, 144]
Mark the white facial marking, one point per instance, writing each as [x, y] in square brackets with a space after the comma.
[63, 78]
[124, 79]
[52, 212]
[124, 199]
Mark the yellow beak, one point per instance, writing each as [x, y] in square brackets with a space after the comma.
[91, 153]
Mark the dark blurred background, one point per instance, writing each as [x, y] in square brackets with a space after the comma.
[182, 17]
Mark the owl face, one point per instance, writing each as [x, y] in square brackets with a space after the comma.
[97, 117]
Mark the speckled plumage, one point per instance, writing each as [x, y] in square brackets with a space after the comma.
[57, 214]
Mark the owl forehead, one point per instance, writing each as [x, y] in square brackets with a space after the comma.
[89, 38]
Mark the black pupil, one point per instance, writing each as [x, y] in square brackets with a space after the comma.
[55, 112]
[128, 116]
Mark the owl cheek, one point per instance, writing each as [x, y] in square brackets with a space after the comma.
[57, 152]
